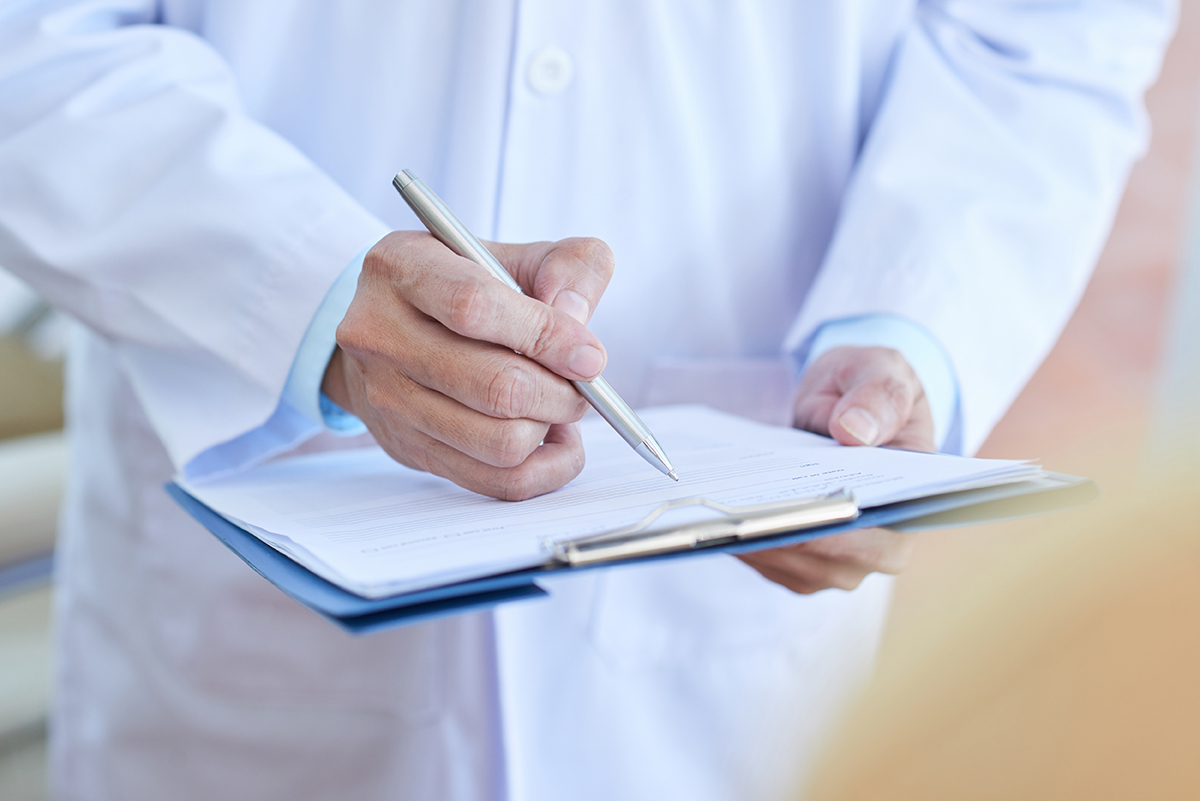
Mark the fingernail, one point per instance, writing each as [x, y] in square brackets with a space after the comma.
[861, 425]
[574, 304]
[586, 361]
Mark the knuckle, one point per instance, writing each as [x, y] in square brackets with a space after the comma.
[378, 262]
[831, 571]
[580, 408]
[894, 557]
[350, 336]
[898, 392]
[409, 457]
[847, 581]
[596, 254]
[510, 392]
[805, 414]
[379, 396]
[545, 330]
[845, 371]
[390, 256]
[511, 443]
[468, 307]
[576, 459]
[897, 363]
[829, 548]
[416, 458]
[558, 402]
[517, 485]
[357, 332]
[896, 367]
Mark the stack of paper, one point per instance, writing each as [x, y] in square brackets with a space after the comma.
[376, 528]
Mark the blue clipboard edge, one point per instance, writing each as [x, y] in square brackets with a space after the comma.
[363, 615]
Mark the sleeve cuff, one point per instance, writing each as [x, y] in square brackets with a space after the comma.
[302, 392]
[919, 347]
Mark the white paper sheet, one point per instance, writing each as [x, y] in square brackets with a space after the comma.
[377, 528]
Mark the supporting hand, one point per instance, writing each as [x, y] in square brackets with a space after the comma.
[456, 374]
[858, 396]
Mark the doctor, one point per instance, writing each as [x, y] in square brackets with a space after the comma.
[903, 199]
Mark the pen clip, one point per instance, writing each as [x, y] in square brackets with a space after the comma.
[737, 523]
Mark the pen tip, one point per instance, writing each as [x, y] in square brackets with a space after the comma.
[673, 476]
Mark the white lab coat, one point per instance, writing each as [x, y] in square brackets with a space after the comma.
[188, 177]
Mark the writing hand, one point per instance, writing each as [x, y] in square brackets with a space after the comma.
[458, 375]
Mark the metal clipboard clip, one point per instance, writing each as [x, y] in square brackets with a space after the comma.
[739, 523]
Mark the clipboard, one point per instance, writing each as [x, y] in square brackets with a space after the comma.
[730, 530]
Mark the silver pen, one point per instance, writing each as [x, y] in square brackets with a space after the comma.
[442, 223]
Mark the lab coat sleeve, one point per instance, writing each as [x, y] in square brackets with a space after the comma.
[988, 180]
[302, 391]
[140, 196]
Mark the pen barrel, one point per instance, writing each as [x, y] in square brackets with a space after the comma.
[605, 400]
[449, 230]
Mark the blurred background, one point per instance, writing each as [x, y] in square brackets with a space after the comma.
[1113, 401]
[1057, 657]
[32, 463]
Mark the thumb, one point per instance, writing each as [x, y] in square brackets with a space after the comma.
[873, 408]
[570, 275]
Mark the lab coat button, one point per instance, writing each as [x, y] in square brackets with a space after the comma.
[550, 71]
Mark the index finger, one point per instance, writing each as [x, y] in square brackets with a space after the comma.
[468, 300]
